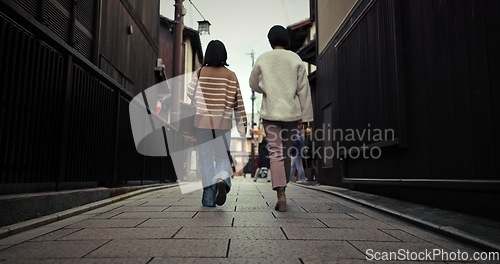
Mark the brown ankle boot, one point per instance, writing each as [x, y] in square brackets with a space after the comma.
[281, 204]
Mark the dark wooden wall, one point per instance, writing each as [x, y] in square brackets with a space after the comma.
[64, 122]
[167, 46]
[451, 66]
[130, 58]
[428, 70]
[75, 23]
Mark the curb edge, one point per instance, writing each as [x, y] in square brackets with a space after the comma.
[443, 230]
[17, 228]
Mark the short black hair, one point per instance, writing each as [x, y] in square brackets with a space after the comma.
[278, 36]
[216, 54]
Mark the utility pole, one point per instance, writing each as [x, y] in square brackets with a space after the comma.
[177, 60]
[252, 151]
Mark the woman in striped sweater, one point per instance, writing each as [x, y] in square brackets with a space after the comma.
[217, 96]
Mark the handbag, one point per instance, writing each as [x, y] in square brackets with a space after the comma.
[186, 122]
[235, 109]
[228, 150]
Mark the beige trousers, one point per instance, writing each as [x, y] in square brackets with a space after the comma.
[278, 136]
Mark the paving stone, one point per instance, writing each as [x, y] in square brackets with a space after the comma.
[283, 260]
[403, 236]
[250, 198]
[328, 250]
[100, 210]
[84, 261]
[122, 233]
[293, 193]
[68, 221]
[423, 234]
[162, 248]
[295, 215]
[247, 192]
[231, 232]
[255, 197]
[355, 224]
[260, 202]
[145, 215]
[171, 195]
[189, 201]
[105, 209]
[108, 214]
[254, 208]
[187, 222]
[196, 208]
[361, 216]
[25, 236]
[160, 203]
[267, 191]
[143, 208]
[310, 200]
[51, 249]
[290, 208]
[328, 208]
[249, 215]
[136, 202]
[121, 203]
[337, 234]
[99, 223]
[56, 234]
[278, 222]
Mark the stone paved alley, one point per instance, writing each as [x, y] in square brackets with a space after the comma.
[164, 226]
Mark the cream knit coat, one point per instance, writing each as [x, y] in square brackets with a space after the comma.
[281, 77]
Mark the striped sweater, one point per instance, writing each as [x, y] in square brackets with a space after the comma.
[218, 91]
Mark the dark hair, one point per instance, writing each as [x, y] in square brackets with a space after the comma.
[278, 36]
[216, 54]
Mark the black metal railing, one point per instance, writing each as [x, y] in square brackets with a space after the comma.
[63, 122]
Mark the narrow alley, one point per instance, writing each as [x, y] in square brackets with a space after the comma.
[165, 226]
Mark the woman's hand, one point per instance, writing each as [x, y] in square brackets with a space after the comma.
[159, 107]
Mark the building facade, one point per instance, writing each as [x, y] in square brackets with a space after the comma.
[303, 42]
[406, 93]
[68, 72]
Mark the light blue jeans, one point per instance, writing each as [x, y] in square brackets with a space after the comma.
[297, 167]
[214, 163]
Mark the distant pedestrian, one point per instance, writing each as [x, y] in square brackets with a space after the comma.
[309, 158]
[282, 77]
[297, 154]
[216, 92]
[263, 165]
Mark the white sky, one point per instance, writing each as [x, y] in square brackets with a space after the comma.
[242, 26]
